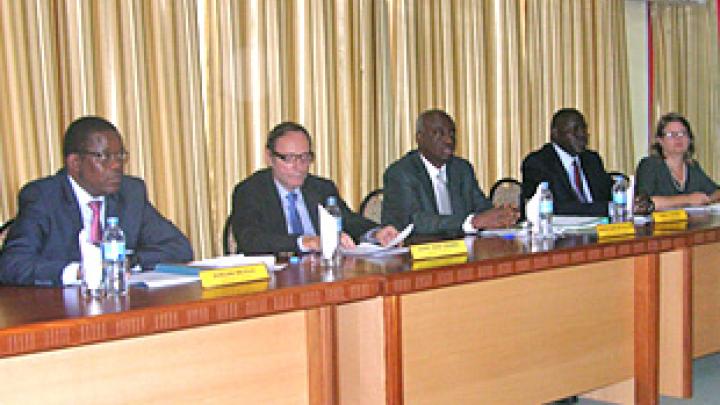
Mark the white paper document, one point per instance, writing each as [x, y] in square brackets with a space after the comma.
[631, 196]
[91, 262]
[575, 224]
[702, 209]
[507, 233]
[575, 221]
[235, 260]
[153, 279]
[329, 235]
[532, 209]
[371, 249]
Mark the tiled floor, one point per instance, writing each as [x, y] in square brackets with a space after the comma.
[706, 385]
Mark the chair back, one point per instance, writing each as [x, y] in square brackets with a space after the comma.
[229, 243]
[371, 206]
[4, 228]
[506, 191]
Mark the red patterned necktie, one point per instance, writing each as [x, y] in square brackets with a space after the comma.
[579, 183]
[95, 228]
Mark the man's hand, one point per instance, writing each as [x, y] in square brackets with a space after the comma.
[498, 217]
[698, 199]
[386, 234]
[311, 243]
[346, 241]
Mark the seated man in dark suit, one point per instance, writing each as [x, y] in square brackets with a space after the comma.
[435, 190]
[275, 209]
[578, 180]
[42, 246]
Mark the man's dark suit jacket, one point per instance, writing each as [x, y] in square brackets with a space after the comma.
[409, 196]
[258, 218]
[44, 238]
[545, 165]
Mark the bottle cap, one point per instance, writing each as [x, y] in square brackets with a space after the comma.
[331, 200]
[294, 260]
[112, 221]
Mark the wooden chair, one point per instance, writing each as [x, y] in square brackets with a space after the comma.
[4, 228]
[506, 191]
[229, 243]
[371, 206]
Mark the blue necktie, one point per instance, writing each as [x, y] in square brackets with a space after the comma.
[296, 227]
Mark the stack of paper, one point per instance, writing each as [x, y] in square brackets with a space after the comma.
[573, 224]
[703, 209]
[235, 260]
[152, 279]
[370, 249]
[173, 274]
[532, 210]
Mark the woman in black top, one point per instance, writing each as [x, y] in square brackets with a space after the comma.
[670, 176]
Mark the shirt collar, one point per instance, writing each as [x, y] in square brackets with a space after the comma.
[82, 195]
[432, 170]
[284, 192]
[566, 158]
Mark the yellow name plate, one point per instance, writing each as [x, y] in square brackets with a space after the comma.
[439, 262]
[669, 216]
[616, 230]
[237, 289]
[232, 275]
[669, 228]
[438, 249]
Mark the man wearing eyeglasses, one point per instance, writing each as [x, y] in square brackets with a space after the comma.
[42, 247]
[576, 175]
[275, 209]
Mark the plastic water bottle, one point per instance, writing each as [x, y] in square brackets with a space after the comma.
[113, 254]
[546, 211]
[333, 239]
[618, 208]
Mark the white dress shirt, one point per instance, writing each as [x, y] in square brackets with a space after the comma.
[70, 272]
[433, 172]
[302, 209]
[567, 162]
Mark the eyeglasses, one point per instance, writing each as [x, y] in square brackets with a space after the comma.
[104, 157]
[675, 134]
[292, 158]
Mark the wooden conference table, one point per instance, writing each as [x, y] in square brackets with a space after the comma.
[513, 323]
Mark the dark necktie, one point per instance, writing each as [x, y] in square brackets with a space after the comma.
[579, 189]
[296, 227]
[95, 228]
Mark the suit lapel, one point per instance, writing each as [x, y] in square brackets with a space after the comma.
[278, 223]
[557, 167]
[113, 207]
[72, 211]
[454, 182]
[590, 175]
[422, 175]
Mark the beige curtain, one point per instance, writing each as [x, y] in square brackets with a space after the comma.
[687, 73]
[501, 68]
[194, 86]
